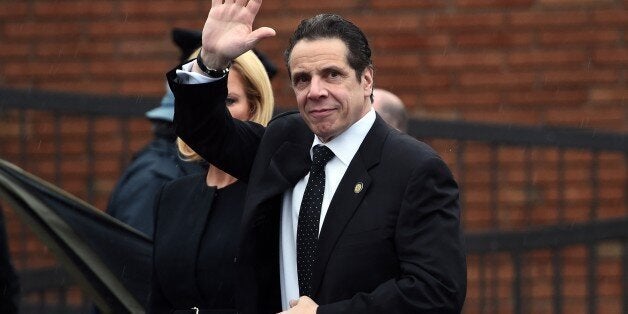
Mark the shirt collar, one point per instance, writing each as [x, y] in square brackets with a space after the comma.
[345, 145]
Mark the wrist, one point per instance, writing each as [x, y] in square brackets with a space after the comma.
[216, 69]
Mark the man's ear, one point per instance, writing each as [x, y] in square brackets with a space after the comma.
[367, 80]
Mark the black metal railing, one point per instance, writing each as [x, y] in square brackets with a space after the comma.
[595, 232]
[45, 286]
[544, 207]
[555, 238]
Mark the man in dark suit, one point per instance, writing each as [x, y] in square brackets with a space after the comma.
[375, 229]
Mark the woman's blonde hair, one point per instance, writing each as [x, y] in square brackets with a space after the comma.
[259, 94]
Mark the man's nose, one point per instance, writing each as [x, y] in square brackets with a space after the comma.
[317, 88]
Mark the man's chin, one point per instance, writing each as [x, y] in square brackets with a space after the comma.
[324, 134]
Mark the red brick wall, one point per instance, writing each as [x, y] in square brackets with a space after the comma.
[532, 62]
[520, 61]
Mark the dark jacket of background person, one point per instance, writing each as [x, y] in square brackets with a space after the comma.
[9, 281]
[132, 200]
[195, 245]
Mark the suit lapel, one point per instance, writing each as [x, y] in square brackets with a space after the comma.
[288, 164]
[289, 160]
[348, 196]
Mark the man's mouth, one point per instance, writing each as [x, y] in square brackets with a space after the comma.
[321, 113]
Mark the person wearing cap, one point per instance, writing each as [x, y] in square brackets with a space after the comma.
[132, 200]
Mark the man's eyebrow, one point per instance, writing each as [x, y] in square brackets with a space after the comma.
[333, 68]
[324, 70]
[300, 74]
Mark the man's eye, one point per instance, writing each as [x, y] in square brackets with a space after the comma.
[334, 75]
[299, 80]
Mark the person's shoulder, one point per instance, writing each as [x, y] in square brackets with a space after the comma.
[288, 123]
[285, 117]
[183, 187]
[411, 150]
[408, 155]
[185, 184]
[146, 158]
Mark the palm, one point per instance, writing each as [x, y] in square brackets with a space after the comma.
[228, 30]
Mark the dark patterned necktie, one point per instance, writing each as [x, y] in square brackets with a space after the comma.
[309, 218]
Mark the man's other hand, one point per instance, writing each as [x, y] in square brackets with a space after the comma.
[304, 305]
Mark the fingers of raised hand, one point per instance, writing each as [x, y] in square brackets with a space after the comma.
[261, 33]
[244, 3]
[254, 5]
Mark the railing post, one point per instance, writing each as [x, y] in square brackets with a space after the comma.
[557, 280]
[57, 148]
[494, 161]
[90, 159]
[517, 283]
[624, 276]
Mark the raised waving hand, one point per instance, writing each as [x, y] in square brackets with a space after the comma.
[228, 31]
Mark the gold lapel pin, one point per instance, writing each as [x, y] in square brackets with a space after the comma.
[358, 187]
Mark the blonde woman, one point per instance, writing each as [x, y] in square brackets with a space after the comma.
[197, 217]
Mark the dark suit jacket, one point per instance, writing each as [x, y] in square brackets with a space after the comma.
[181, 210]
[183, 214]
[393, 247]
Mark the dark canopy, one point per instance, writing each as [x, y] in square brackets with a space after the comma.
[109, 259]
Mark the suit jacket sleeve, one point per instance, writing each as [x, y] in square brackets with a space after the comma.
[430, 249]
[203, 122]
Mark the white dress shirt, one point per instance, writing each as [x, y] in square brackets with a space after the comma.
[344, 147]
[187, 76]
